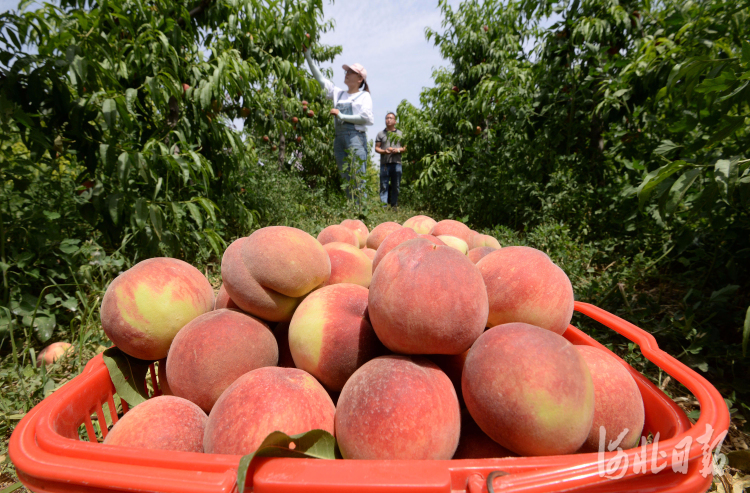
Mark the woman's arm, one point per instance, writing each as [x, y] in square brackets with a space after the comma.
[365, 116]
[314, 69]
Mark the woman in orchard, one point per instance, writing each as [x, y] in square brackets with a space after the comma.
[352, 112]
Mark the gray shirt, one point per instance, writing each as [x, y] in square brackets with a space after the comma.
[385, 143]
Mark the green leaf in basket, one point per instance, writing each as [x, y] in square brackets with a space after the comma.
[315, 444]
[128, 375]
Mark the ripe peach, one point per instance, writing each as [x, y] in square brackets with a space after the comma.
[524, 285]
[359, 228]
[433, 239]
[379, 232]
[263, 401]
[480, 240]
[420, 224]
[618, 404]
[215, 349]
[330, 335]
[392, 241]
[223, 300]
[340, 233]
[455, 242]
[453, 366]
[145, 306]
[396, 407]
[369, 252]
[529, 389]
[452, 228]
[427, 299]
[54, 352]
[162, 423]
[475, 444]
[476, 254]
[348, 264]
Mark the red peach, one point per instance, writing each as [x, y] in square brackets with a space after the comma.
[452, 228]
[370, 252]
[379, 232]
[477, 254]
[359, 228]
[338, 233]
[223, 300]
[349, 264]
[420, 224]
[54, 352]
[480, 240]
[475, 444]
[392, 241]
[455, 242]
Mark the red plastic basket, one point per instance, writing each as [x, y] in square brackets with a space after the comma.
[49, 456]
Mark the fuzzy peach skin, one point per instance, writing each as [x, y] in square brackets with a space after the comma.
[379, 232]
[618, 404]
[162, 423]
[524, 285]
[223, 300]
[455, 242]
[392, 241]
[475, 444]
[427, 299]
[330, 335]
[348, 264]
[215, 349]
[480, 240]
[420, 224]
[369, 252]
[452, 228]
[54, 352]
[263, 401]
[359, 228]
[529, 389]
[477, 254]
[245, 291]
[145, 306]
[397, 407]
[340, 233]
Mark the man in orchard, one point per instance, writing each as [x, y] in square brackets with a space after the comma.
[388, 145]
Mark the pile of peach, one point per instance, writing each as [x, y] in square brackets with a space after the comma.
[379, 337]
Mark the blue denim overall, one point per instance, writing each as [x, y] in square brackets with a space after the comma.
[348, 137]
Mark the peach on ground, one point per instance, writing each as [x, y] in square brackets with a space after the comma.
[420, 224]
[215, 349]
[529, 389]
[480, 240]
[162, 423]
[245, 291]
[145, 306]
[392, 241]
[340, 233]
[475, 444]
[618, 404]
[370, 252]
[397, 407]
[223, 300]
[54, 352]
[359, 228]
[477, 254]
[427, 299]
[379, 232]
[455, 242]
[348, 264]
[161, 376]
[452, 228]
[524, 285]
[330, 335]
[263, 401]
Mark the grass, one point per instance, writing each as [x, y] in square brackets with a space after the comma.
[595, 276]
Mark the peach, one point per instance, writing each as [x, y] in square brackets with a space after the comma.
[618, 405]
[524, 285]
[392, 241]
[145, 306]
[529, 389]
[370, 252]
[475, 444]
[281, 333]
[476, 254]
[455, 242]
[453, 366]
[433, 239]
[359, 228]
[263, 401]
[54, 352]
[427, 299]
[480, 240]
[340, 233]
[215, 349]
[396, 407]
[420, 224]
[268, 273]
[452, 228]
[379, 232]
[162, 423]
[330, 335]
[348, 264]
[223, 300]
